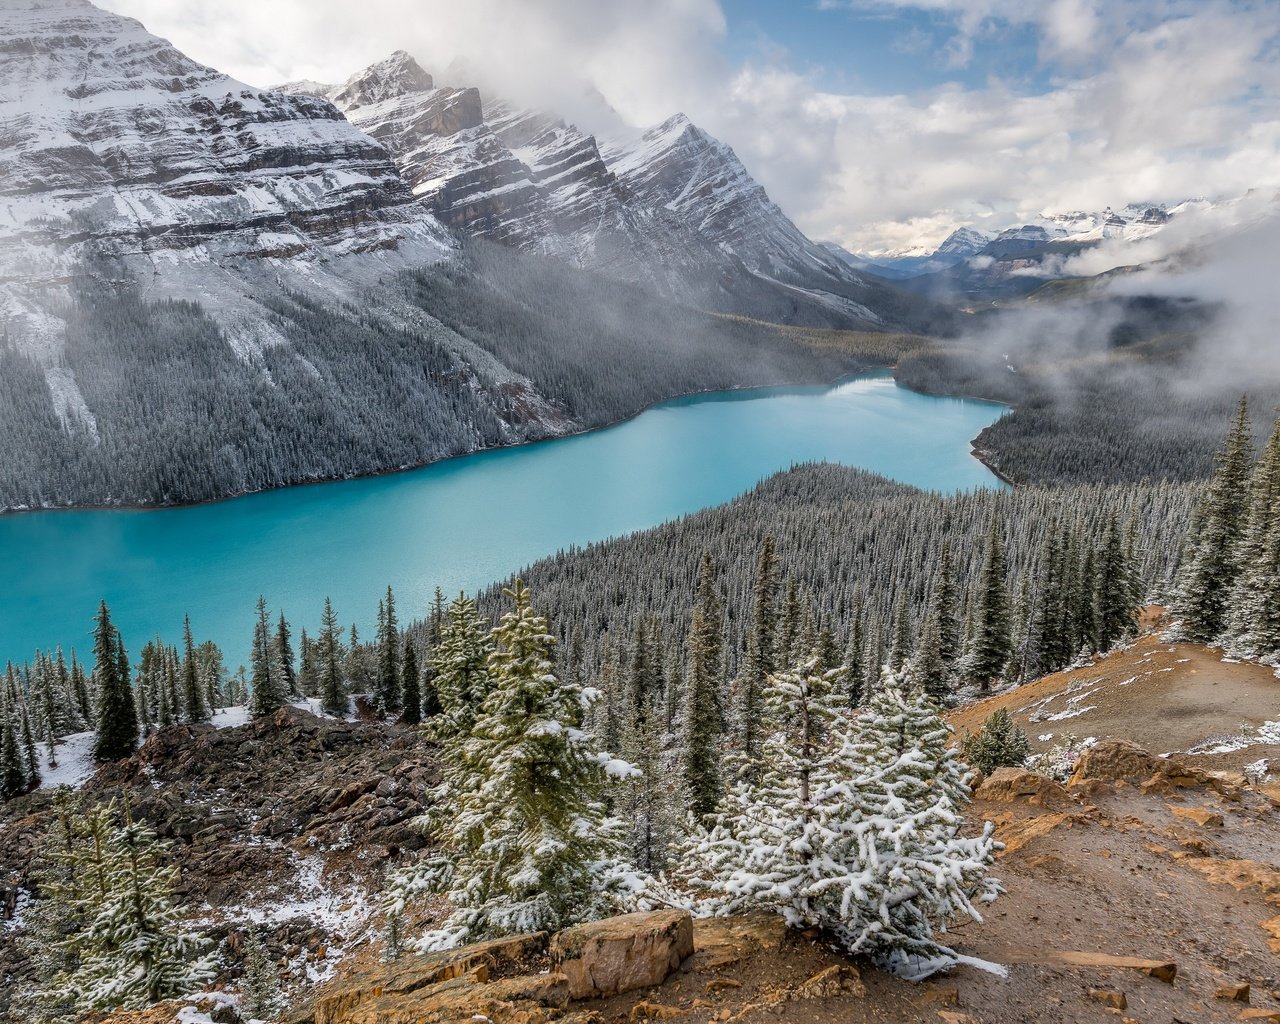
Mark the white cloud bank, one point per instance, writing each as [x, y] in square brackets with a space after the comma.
[1146, 100]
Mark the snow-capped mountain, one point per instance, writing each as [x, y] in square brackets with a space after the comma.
[671, 207]
[115, 145]
[1133, 223]
[113, 137]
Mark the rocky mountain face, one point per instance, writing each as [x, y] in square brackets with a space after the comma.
[114, 145]
[110, 137]
[671, 208]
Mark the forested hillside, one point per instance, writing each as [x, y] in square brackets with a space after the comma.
[865, 559]
[494, 349]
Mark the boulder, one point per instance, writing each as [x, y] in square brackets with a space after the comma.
[385, 986]
[1237, 992]
[603, 958]
[1161, 970]
[1261, 1013]
[1109, 997]
[1009, 784]
[1115, 761]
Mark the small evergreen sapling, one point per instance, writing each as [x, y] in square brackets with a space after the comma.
[260, 997]
[998, 744]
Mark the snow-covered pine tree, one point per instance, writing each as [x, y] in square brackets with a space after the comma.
[260, 996]
[767, 848]
[131, 948]
[1210, 567]
[648, 803]
[525, 840]
[1253, 624]
[460, 664]
[908, 869]
[117, 715]
[48, 921]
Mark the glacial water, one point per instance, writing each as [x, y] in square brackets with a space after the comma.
[458, 524]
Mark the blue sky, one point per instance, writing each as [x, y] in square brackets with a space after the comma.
[882, 51]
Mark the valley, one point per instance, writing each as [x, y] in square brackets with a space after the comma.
[630, 513]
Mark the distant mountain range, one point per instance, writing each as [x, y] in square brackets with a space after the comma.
[974, 264]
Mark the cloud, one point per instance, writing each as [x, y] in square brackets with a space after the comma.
[1137, 100]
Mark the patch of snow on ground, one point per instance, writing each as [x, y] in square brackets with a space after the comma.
[74, 755]
[1075, 712]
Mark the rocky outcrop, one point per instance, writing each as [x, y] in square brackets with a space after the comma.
[618, 954]
[504, 981]
[1008, 784]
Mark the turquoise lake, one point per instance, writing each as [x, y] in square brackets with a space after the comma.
[459, 524]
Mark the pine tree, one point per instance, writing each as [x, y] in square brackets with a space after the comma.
[13, 777]
[855, 658]
[268, 677]
[1211, 566]
[260, 997]
[760, 648]
[388, 686]
[998, 744]
[525, 841]
[928, 670]
[410, 686]
[31, 761]
[461, 668]
[1253, 625]
[284, 657]
[909, 788]
[117, 716]
[333, 697]
[131, 949]
[192, 687]
[1117, 616]
[991, 639]
[648, 803]
[767, 848]
[900, 634]
[945, 602]
[702, 726]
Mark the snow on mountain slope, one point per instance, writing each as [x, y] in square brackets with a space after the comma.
[115, 144]
[109, 135]
[671, 208]
[679, 167]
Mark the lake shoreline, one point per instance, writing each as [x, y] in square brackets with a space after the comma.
[410, 467]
